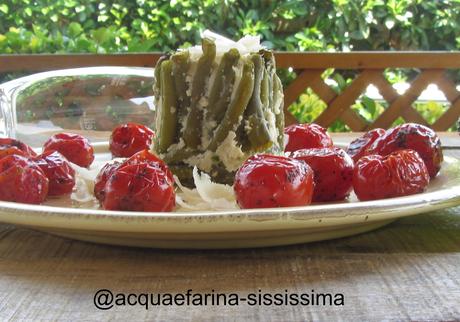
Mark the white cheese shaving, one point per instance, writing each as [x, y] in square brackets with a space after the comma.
[202, 161]
[246, 45]
[85, 178]
[82, 191]
[208, 195]
[230, 153]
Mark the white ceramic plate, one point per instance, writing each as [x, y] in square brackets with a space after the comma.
[237, 228]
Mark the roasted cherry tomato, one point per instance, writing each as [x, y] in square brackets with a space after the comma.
[12, 151]
[265, 181]
[333, 172]
[101, 179]
[306, 136]
[400, 173]
[59, 172]
[357, 148]
[21, 180]
[415, 137]
[129, 138]
[74, 147]
[145, 156]
[12, 146]
[139, 187]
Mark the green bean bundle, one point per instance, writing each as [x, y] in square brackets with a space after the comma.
[215, 107]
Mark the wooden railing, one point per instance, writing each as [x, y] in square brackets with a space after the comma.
[431, 67]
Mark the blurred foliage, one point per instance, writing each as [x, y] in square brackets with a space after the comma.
[103, 26]
[32, 26]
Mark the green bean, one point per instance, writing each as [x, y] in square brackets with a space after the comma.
[236, 108]
[178, 155]
[184, 173]
[167, 117]
[278, 96]
[265, 90]
[257, 131]
[193, 123]
[270, 69]
[156, 84]
[222, 175]
[221, 91]
[181, 64]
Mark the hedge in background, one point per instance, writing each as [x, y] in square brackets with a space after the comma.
[38, 26]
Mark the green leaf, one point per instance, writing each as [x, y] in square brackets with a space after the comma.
[74, 29]
[4, 8]
[100, 35]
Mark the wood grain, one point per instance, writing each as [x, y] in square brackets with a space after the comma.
[300, 60]
[408, 270]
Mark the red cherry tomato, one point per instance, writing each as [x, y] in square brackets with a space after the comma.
[415, 137]
[12, 151]
[139, 187]
[12, 146]
[400, 173]
[59, 172]
[145, 156]
[101, 179]
[357, 148]
[22, 181]
[129, 138]
[265, 181]
[74, 147]
[333, 172]
[306, 136]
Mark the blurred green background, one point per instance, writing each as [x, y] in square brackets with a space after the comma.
[103, 26]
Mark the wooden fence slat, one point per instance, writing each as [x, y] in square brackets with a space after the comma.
[346, 98]
[317, 84]
[297, 87]
[401, 105]
[448, 88]
[355, 122]
[327, 94]
[369, 60]
[449, 117]
[409, 114]
[301, 60]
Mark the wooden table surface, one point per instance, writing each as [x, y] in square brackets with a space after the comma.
[408, 270]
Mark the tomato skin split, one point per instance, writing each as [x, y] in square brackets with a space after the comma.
[130, 138]
[74, 147]
[12, 146]
[145, 156]
[333, 172]
[306, 136]
[99, 184]
[415, 137]
[265, 181]
[400, 173]
[59, 172]
[358, 147]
